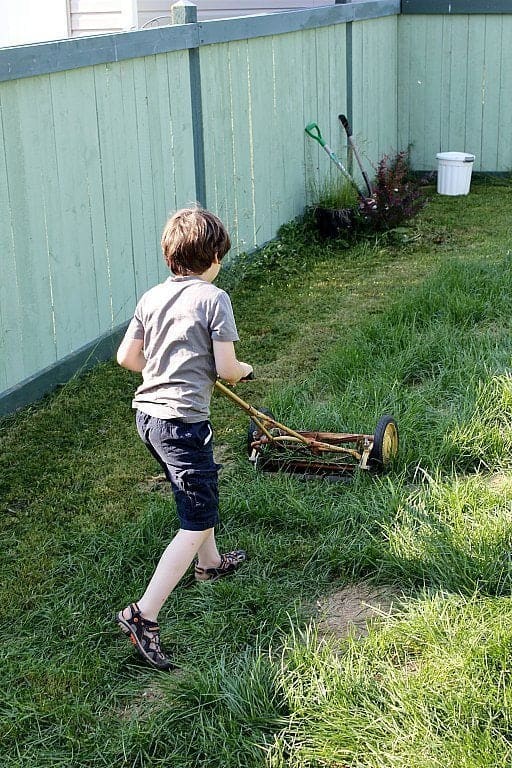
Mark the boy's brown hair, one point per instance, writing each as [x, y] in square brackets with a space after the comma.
[191, 240]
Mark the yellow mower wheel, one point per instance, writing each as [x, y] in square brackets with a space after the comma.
[385, 442]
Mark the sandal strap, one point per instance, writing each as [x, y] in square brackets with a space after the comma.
[232, 558]
[134, 612]
[145, 635]
[137, 618]
[229, 562]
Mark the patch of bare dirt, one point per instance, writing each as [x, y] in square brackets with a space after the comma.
[223, 454]
[152, 696]
[159, 484]
[156, 484]
[349, 611]
[500, 482]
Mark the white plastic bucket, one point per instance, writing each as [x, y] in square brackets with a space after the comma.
[454, 172]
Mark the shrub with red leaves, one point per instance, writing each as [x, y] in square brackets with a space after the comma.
[397, 196]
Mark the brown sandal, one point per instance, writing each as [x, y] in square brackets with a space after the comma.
[229, 563]
[145, 636]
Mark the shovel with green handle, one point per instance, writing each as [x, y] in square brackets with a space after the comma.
[313, 131]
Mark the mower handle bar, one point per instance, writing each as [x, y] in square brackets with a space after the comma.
[263, 421]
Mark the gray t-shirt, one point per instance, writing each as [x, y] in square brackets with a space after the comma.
[178, 320]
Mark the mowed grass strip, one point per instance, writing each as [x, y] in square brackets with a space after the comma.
[338, 336]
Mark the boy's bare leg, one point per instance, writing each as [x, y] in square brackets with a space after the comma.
[208, 555]
[171, 567]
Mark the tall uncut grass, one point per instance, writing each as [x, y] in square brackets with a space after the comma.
[339, 336]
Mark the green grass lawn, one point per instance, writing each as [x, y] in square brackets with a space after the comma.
[418, 326]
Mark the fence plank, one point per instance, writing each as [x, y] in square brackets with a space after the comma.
[504, 158]
[458, 83]
[419, 80]
[11, 357]
[315, 162]
[113, 127]
[374, 87]
[240, 136]
[287, 159]
[217, 127]
[491, 102]
[24, 120]
[287, 132]
[261, 110]
[476, 90]
[430, 73]
[144, 159]
[179, 159]
[75, 215]
[338, 87]
[161, 165]
[130, 93]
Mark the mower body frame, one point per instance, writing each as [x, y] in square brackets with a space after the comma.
[323, 453]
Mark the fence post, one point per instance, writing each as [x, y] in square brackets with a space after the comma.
[185, 12]
[348, 65]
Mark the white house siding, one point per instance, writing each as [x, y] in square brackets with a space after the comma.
[95, 17]
[32, 21]
[157, 12]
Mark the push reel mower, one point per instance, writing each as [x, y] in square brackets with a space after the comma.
[273, 446]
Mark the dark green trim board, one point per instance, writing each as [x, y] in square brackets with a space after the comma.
[350, 111]
[451, 7]
[197, 125]
[45, 381]
[348, 54]
[44, 58]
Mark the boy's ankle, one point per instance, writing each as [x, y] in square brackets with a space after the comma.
[147, 615]
[209, 563]
[229, 563]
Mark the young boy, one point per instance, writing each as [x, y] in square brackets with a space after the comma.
[181, 338]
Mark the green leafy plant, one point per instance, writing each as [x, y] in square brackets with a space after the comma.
[398, 196]
[337, 194]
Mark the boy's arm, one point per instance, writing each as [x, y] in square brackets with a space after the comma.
[228, 367]
[130, 355]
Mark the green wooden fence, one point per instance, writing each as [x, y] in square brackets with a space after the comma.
[454, 87]
[93, 158]
[102, 137]
[96, 155]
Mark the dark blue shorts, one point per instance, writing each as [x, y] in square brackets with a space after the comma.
[185, 453]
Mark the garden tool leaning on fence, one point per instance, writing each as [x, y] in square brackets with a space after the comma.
[333, 222]
[348, 130]
[314, 132]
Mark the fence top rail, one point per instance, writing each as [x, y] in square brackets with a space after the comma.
[56, 56]
[451, 7]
